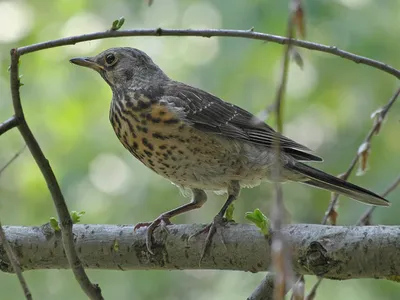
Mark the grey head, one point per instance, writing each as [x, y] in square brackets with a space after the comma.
[124, 68]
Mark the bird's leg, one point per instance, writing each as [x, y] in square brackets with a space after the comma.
[198, 199]
[233, 193]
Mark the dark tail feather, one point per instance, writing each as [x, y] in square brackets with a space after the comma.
[334, 184]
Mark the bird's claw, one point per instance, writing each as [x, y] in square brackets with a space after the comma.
[161, 221]
[210, 229]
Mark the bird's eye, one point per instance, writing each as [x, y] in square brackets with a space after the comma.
[110, 59]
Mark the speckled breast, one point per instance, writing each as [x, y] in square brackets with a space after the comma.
[156, 136]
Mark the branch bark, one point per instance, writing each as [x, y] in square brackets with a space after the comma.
[336, 252]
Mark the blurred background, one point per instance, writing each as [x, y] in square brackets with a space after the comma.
[327, 107]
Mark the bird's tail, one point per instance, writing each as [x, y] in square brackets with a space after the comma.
[334, 184]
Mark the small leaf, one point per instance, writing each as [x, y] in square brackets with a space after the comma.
[121, 22]
[229, 212]
[114, 25]
[54, 224]
[363, 154]
[117, 24]
[259, 219]
[76, 216]
[149, 2]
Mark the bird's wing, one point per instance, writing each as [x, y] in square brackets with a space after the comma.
[209, 113]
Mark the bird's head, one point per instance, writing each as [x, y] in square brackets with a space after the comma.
[123, 67]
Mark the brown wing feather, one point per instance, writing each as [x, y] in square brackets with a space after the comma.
[209, 113]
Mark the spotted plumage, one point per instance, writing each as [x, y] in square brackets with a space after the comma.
[198, 141]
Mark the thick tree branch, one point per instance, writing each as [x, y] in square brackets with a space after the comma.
[337, 252]
[249, 34]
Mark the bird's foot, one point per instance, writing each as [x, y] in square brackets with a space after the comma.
[210, 229]
[161, 221]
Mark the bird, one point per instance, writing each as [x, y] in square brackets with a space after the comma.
[198, 141]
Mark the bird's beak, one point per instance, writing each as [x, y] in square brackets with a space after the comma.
[87, 62]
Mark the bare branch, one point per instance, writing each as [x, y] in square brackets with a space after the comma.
[249, 34]
[382, 114]
[8, 124]
[12, 159]
[337, 252]
[92, 291]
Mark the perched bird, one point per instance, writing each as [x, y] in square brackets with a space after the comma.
[198, 141]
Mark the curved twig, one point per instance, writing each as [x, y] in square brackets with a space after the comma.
[249, 34]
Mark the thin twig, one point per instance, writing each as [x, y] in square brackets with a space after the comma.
[210, 33]
[4, 242]
[280, 256]
[14, 263]
[365, 218]
[8, 124]
[91, 290]
[374, 130]
[12, 159]
[367, 139]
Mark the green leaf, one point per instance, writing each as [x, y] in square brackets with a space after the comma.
[117, 24]
[229, 212]
[54, 224]
[76, 216]
[259, 219]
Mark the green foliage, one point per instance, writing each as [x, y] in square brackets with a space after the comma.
[54, 224]
[259, 219]
[76, 216]
[117, 24]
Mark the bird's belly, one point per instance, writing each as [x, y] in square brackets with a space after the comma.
[186, 156]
